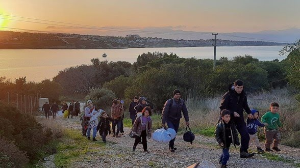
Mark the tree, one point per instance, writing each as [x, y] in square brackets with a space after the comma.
[118, 85]
[293, 63]
[101, 98]
[50, 89]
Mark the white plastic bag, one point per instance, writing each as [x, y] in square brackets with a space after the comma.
[161, 135]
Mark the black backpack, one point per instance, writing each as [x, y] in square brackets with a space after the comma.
[188, 136]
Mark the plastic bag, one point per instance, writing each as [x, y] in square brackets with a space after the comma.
[66, 113]
[171, 132]
[161, 135]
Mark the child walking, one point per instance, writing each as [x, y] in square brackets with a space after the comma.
[226, 134]
[272, 129]
[104, 126]
[142, 128]
[252, 129]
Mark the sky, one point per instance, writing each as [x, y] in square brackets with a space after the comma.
[101, 16]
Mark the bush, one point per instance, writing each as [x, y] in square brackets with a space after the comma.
[102, 98]
[10, 155]
[28, 135]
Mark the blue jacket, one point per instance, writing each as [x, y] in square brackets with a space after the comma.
[252, 125]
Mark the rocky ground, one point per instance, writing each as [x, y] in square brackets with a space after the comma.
[118, 153]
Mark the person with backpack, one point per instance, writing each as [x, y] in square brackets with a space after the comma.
[132, 111]
[116, 114]
[235, 100]
[86, 117]
[172, 114]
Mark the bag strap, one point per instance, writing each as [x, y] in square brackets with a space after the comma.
[187, 128]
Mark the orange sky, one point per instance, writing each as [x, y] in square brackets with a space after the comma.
[192, 15]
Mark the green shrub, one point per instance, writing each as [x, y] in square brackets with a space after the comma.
[25, 132]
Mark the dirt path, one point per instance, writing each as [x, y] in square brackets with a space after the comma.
[118, 153]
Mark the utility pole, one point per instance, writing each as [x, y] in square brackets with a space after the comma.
[215, 50]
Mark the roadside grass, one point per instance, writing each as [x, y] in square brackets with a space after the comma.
[275, 157]
[73, 146]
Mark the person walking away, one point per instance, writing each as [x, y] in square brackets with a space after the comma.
[46, 109]
[172, 114]
[252, 125]
[54, 109]
[132, 111]
[142, 127]
[77, 108]
[226, 134]
[64, 107]
[116, 115]
[104, 125]
[70, 109]
[235, 100]
[272, 133]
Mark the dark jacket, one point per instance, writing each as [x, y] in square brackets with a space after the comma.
[225, 138]
[172, 111]
[104, 126]
[132, 111]
[71, 107]
[54, 108]
[46, 107]
[235, 103]
[252, 125]
[65, 107]
[77, 106]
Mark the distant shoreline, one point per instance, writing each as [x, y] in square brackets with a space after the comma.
[134, 47]
[25, 40]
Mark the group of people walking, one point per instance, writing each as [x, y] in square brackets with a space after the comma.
[233, 105]
[73, 109]
[231, 121]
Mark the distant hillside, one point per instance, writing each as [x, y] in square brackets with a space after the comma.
[24, 40]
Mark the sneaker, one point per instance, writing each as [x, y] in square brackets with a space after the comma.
[223, 166]
[259, 150]
[276, 149]
[133, 148]
[146, 151]
[172, 149]
[89, 138]
[246, 155]
[269, 150]
[94, 139]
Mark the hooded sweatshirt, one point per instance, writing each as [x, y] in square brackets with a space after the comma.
[253, 123]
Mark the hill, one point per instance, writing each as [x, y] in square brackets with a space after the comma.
[25, 40]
